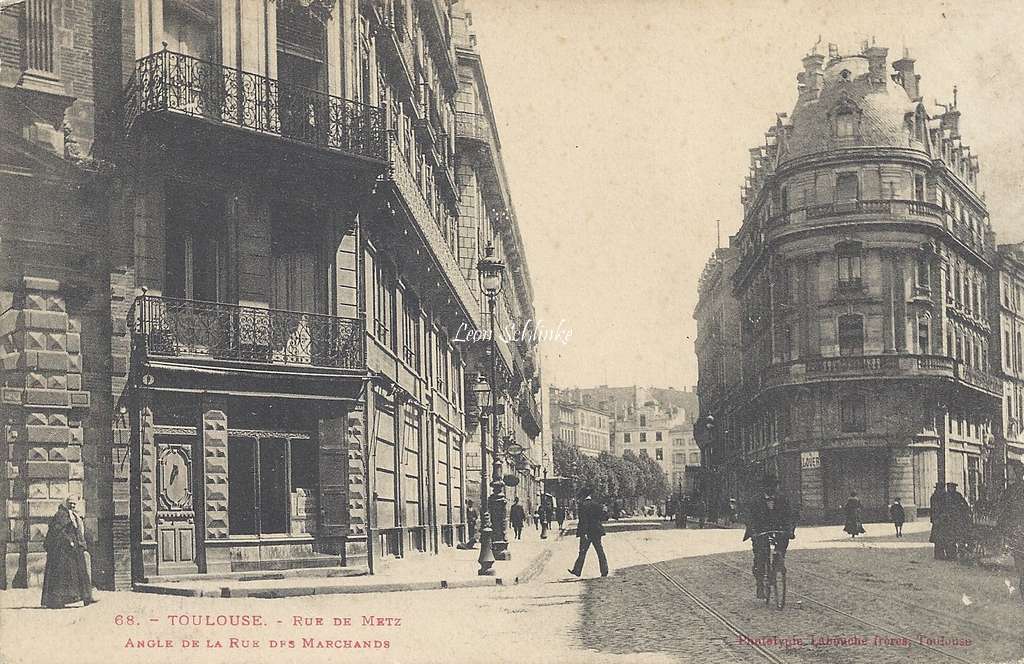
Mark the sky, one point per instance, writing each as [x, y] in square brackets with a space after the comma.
[625, 127]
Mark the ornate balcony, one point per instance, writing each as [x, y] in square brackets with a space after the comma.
[472, 126]
[172, 83]
[174, 328]
[979, 379]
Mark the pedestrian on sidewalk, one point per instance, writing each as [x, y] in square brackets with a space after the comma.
[853, 526]
[471, 518]
[958, 521]
[517, 516]
[1011, 525]
[897, 515]
[66, 575]
[560, 516]
[536, 518]
[937, 509]
[589, 530]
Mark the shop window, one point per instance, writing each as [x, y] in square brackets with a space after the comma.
[264, 475]
[851, 335]
[852, 413]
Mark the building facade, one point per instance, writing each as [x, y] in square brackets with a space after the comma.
[1007, 311]
[269, 369]
[580, 422]
[859, 294]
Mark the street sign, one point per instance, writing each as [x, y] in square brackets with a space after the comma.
[810, 460]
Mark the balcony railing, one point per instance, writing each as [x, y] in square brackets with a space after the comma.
[978, 378]
[472, 125]
[899, 207]
[172, 82]
[852, 364]
[191, 328]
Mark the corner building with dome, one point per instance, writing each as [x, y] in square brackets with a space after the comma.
[843, 337]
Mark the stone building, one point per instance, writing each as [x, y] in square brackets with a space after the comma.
[236, 324]
[1007, 315]
[860, 287]
[577, 420]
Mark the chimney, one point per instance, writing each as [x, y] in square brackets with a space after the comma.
[812, 75]
[876, 63]
[906, 76]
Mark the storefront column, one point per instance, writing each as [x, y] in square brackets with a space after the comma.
[812, 494]
[215, 476]
[356, 551]
[901, 479]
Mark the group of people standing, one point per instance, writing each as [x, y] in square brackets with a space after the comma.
[951, 521]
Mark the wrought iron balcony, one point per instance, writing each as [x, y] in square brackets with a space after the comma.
[979, 379]
[169, 82]
[177, 328]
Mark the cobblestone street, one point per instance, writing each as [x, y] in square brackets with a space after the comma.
[873, 590]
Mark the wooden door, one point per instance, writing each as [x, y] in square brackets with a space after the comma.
[176, 546]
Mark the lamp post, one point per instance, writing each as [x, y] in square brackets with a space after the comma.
[545, 504]
[491, 272]
[486, 557]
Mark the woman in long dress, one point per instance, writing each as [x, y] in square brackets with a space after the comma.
[853, 521]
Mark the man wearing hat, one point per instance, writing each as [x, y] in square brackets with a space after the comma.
[937, 507]
[769, 511]
[590, 530]
[958, 521]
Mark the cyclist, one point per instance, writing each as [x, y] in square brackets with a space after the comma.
[769, 511]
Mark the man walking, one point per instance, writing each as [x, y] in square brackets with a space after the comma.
[937, 509]
[589, 530]
[517, 515]
[471, 518]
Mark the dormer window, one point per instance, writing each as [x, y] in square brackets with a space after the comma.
[846, 123]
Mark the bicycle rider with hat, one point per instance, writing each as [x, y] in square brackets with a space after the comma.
[769, 511]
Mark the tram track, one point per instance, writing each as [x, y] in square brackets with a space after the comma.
[846, 614]
[749, 641]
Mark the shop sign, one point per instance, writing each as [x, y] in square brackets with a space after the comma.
[810, 460]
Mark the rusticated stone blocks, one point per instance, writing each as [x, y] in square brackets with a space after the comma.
[215, 462]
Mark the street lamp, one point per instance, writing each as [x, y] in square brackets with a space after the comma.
[491, 272]
[486, 558]
[545, 504]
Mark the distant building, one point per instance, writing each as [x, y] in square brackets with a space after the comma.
[587, 427]
[1007, 311]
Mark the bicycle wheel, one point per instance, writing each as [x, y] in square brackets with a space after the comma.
[780, 589]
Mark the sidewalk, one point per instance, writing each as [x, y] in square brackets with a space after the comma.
[450, 568]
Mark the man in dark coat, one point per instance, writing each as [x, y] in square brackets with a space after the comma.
[472, 516]
[958, 522]
[937, 507]
[898, 516]
[589, 530]
[769, 511]
[851, 509]
[66, 576]
[517, 516]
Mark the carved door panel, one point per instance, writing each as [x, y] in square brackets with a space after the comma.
[176, 545]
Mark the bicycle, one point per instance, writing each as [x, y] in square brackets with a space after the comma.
[774, 580]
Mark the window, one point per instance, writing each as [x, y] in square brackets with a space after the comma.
[924, 273]
[411, 332]
[383, 303]
[846, 124]
[626, 438]
[852, 414]
[643, 420]
[851, 335]
[659, 454]
[848, 266]
[643, 436]
[643, 451]
[923, 335]
[657, 435]
[918, 187]
[694, 458]
[847, 187]
[263, 473]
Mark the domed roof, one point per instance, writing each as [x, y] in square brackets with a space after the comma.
[878, 104]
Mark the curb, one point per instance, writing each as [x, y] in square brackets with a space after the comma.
[532, 569]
